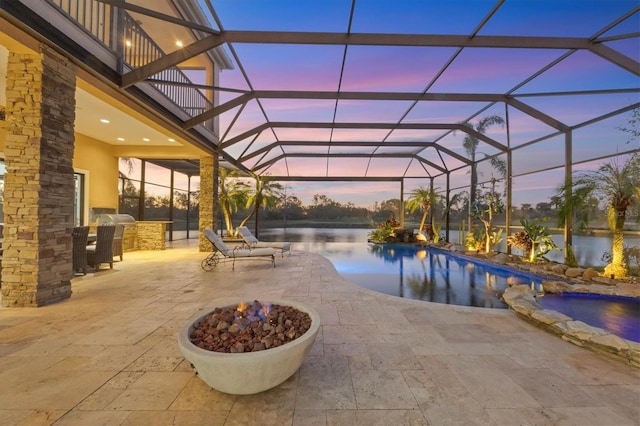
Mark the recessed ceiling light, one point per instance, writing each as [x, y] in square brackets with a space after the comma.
[104, 120]
[146, 139]
[121, 139]
[172, 140]
[127, 43]
[179, 43]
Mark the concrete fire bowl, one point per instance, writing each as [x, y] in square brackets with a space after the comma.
[248, 372]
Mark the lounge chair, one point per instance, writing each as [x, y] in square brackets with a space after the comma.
[252, 242]
[221, 253]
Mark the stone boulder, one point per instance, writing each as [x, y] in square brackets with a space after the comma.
[574, 272]
[590, 273]
[457, 248]
[559, 268]
[556, 287]
[500, 258]
[604, 280]
[549, 317]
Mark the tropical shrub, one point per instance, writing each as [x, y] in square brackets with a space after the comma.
[384, 231]
[541, 242]
[521, 241]
[391, 222]
[476, 239]
[435, 229]
[484, 210]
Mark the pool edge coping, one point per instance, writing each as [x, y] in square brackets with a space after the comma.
[522, 300]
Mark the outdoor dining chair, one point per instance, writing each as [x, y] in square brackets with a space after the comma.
[102, 251]
[117, 241]
[79, 236]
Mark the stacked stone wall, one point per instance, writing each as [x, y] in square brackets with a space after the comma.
[208, 195]
[151, 235]
[39, 186]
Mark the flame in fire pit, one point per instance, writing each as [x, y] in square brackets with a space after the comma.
[255, 311]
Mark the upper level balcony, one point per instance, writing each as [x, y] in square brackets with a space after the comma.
[114, 41]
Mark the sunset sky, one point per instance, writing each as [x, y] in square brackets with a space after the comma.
[419, 69]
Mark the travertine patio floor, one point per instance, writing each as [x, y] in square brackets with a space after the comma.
[108, 356]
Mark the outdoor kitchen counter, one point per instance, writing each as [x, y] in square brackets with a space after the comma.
[142, 235]
[152, 235]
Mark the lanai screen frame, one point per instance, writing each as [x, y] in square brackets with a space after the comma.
[262, 159]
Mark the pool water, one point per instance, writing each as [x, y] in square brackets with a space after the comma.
[425, 274]
[618, 315]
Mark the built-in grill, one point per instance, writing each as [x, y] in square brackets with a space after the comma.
[116, 219]
[130, 233]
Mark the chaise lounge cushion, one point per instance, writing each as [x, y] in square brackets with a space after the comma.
[253, 242]
[240, 252]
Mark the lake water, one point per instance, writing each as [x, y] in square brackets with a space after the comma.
[588, 249]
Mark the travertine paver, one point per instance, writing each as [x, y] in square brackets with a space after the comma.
[108, 355]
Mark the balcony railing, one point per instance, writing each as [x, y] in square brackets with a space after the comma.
[98, 20]
[93, 16]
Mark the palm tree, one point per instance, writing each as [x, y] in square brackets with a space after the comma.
[267, 193]
[470, 144]
[422, 198]
[620, 186]
[232, 194]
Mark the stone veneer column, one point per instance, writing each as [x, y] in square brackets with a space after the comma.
[39, 186]
[208, 200]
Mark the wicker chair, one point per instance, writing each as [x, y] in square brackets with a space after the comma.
[79, 239]
[117, 241]
[102, 251]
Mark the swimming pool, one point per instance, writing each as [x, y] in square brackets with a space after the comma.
[434, 275]
[618, 315]
[406, 271]
[425, 274]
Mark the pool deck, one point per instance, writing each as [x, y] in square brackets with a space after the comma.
[109, 356]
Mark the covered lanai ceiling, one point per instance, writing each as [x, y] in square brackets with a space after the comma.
[368, 89]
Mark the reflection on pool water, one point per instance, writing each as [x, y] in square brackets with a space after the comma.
[618, 315]
[425, 274]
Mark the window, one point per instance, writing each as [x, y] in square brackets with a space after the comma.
[78, 199]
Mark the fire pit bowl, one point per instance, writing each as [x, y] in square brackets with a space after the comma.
[248, 372]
